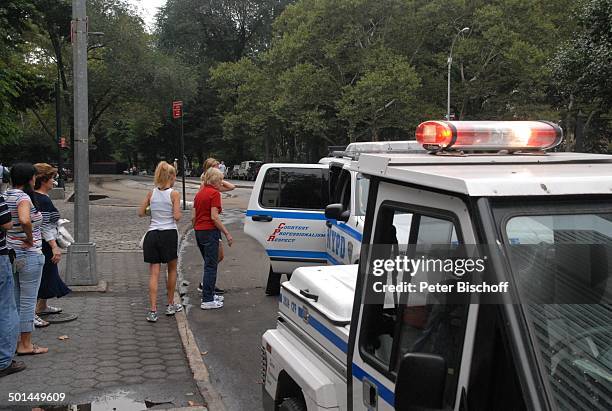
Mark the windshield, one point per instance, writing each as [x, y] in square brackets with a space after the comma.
[363, 186]
[562, 264]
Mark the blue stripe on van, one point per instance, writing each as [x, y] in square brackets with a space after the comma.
[332, 260]
[319, 255]
[288, 214]
[328, 334]
[347, 229]
[385, 393]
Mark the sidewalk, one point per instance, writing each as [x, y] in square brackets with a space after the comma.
[111, 351]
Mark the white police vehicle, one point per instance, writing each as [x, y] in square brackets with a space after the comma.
[545, 344]
[286, 211]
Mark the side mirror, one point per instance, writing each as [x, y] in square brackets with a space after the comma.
[420, 382]
[337, 212]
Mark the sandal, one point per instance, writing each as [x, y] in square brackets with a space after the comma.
[36, 350]
[39, 322]
[50, 310]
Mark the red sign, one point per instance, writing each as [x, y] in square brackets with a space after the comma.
[177, 109]
[63, 143]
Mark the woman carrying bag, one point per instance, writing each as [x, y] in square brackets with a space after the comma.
[160, 245]
[51, 285]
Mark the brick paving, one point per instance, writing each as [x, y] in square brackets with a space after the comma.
[111, 348]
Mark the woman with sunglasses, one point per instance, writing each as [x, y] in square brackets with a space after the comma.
[51, 285]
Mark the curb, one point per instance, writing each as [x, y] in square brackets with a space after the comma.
[212, 399]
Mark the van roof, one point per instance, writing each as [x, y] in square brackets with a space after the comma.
[354, 150]
[496, 175]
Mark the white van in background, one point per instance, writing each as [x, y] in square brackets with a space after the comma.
[286, 211]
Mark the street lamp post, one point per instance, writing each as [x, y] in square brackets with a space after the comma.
[81, 265]
[450, 63]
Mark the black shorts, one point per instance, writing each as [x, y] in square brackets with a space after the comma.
[160, 246]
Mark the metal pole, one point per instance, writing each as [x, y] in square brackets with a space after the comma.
[183, 163]
[450, 62]
[58, 134]
[81, 141]
[81, 267]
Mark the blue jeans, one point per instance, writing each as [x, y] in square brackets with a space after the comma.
[208, 243]
[9, 319]
[28, 271]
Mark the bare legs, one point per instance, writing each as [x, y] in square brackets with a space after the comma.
[154, 270]
[41, 305]
[171, 283]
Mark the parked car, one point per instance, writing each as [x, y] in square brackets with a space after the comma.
[232, 172]
[247, 170]
[254, 170]
[242, 170]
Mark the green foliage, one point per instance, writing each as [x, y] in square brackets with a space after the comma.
[281, 80]
[582, 71]
[368, 70]
[384, 97]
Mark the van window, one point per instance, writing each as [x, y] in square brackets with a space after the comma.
[270, 190]
[361, 194]
[421, 322]
[295, 188]
[563, 267]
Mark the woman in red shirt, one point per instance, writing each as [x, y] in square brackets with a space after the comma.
[208, 228]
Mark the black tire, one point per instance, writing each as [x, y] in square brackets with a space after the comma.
[274, 283]
[292, 404]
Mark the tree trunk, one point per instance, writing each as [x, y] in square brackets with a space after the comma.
[267, 145]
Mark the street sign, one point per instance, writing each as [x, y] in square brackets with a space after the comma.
[177, 109]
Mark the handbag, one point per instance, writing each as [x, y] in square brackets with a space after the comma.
[64, 238]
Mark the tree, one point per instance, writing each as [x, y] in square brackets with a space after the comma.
[15, 22]
[582, 71]
[383, 97]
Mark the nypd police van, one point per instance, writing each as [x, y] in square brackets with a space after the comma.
[286, 211]
[544, 342]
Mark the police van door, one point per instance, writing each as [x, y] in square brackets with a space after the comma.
[390, 327]
[286, 214]
[344, 238]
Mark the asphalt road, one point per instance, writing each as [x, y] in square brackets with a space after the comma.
[230, 338]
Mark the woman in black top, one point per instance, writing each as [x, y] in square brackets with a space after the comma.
[51, 285]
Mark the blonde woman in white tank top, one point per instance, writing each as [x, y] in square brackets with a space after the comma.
[160, 245]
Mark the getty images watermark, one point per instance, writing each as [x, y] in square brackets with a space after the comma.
[461, 274]
[440, 270]
[432, 274]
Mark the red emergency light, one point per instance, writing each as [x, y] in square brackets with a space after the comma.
[489, 135]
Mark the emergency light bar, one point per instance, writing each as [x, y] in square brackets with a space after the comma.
[489, 135]
[353, 150]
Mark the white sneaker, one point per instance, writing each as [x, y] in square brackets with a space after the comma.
[219, 298]
[172, 309]
[211, 305]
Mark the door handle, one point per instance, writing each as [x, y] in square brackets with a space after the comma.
[306, 293]
[266, 218]
[370, 395]
[328, 223]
